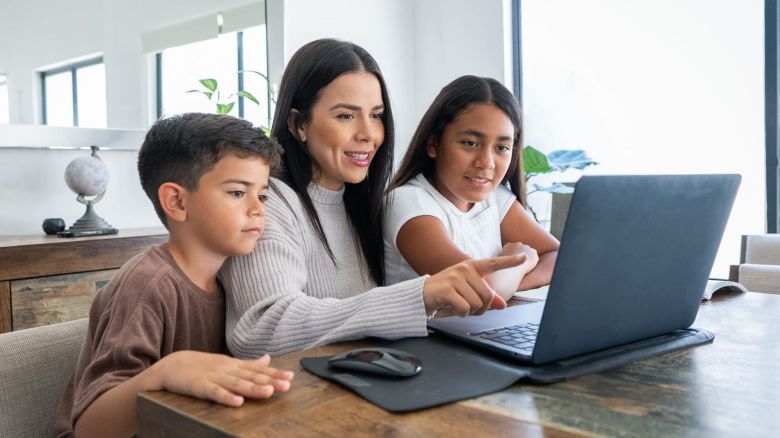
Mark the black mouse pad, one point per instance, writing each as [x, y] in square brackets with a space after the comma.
[454, 371]
[449, 373]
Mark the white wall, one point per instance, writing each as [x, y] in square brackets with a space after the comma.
[38, 33]
[653, 86]
[385, 29]
[420, 45]
[455, 38]
[33, 188]
[79, 28]
[32, 183]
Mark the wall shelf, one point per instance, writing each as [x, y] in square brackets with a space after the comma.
[60, 137]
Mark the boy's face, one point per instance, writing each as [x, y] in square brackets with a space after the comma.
[226, 212]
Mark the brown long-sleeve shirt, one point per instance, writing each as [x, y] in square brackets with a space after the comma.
[148, 310]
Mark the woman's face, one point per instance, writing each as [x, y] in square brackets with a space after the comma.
[473, 154]
[345, 129]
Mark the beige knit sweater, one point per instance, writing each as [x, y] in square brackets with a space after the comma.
[288, 295]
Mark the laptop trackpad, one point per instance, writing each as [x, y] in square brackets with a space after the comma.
[518, 314]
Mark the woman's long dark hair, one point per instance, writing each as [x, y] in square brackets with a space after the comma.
[311, 69]
[451, 101]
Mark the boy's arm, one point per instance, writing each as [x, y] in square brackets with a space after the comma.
[204, 375]
[113, 413]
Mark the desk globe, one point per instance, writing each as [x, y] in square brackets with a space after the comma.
[88, 176]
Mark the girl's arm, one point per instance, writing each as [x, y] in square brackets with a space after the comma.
[519, 226]
[424, 243]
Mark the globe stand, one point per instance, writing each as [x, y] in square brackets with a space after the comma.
[90, 223]
[88, 176]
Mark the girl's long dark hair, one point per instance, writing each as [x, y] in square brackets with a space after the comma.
[311, 69]
[451, 101]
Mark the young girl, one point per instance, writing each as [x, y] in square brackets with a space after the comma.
[313, 276]
[459, 193]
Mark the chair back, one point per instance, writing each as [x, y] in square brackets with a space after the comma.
[761, 249]
[35, 366]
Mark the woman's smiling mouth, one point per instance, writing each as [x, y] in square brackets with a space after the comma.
[359, 158]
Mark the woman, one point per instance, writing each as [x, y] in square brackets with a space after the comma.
[460, 193]
[312, 277]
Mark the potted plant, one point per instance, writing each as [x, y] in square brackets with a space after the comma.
[211, 91]
[536, 163]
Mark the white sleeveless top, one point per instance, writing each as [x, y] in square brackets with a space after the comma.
[476, 232]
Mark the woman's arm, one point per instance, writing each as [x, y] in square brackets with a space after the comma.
[268, 311]
[519, 226]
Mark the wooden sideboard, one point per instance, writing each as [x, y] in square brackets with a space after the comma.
[47, 279]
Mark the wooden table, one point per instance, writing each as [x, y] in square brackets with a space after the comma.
[728, 388]
[48, 279]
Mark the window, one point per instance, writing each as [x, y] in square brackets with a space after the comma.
[231, 59]
[75, 95]
[4, 112]
[602, 78]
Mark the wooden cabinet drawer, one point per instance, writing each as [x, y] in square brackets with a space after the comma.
[58, 298]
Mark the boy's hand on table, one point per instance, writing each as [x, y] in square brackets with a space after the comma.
[221, 378]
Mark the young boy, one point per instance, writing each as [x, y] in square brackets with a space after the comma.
[160, 321]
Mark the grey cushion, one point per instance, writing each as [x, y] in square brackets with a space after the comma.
[761, 249]
[35, 366]
[760, 278]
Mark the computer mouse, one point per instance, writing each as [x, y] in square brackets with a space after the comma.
[381, 361]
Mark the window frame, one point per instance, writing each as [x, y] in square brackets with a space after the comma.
[517, 50]
[4, 82]
[72, 68]
[771, 77]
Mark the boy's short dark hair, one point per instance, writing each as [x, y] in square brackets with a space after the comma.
[181, 148]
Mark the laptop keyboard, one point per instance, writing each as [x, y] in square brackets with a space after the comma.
[521, 336]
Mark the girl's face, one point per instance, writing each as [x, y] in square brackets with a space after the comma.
[345, 129]
[473, 154]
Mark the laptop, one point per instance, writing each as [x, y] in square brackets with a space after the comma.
[635, 256]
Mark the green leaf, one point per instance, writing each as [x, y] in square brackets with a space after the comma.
[248, 95]
[211, 84]
[224, 108]
[555, 187]
[266, 130]
[534, 162]
[205, 93]
[561, 160]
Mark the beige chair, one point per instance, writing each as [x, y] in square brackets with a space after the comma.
[759, 263]
[35, 366]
